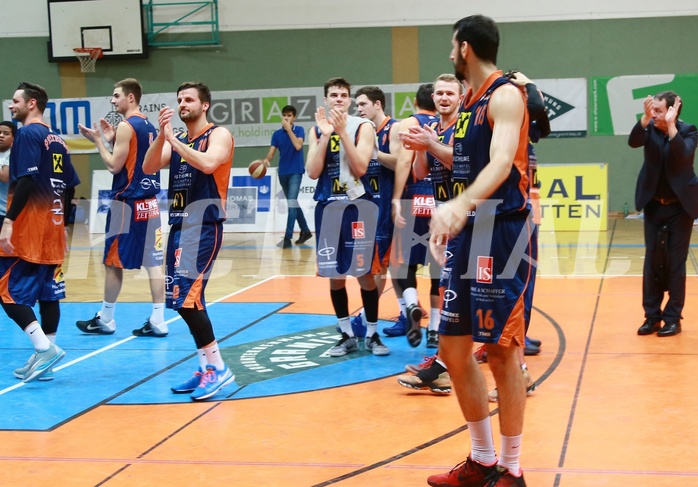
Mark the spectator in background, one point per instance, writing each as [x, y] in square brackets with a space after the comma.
[289, 141]
[7, 136]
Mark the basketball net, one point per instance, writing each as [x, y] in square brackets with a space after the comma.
[88, 58]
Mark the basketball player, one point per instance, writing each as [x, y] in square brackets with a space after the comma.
[32, 239]
[200, 160]
[370, 104]
[133, 233]
[490, 187]
[340, 150]
[425, 115]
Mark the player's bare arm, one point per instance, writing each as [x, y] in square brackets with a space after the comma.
[317, 147]
[389, 159]
[219, 151]
[160, 152]
[115, 160]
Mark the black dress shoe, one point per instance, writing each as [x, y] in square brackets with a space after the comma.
[648, 327]
[285, 244]
[670, 329]
[304, 237]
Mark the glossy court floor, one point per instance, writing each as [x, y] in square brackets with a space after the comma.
[611, 409]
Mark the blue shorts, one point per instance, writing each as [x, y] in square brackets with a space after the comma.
[345, 235]
[191, 252]
[25, 283]
[448, 265]
[384, 232]
[531, 287]
[133, 234]
[486, 292]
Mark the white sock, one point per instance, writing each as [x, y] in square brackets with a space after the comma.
[371, 329]
[157, 316]
[107, 312]
[403, 307]
[202, 358]
[345, 326]
[51, 338]
[363, 315]
[482, 442]
[213, 356]
[410, 296]
[510, 454]
[39, 340]
[434, 319]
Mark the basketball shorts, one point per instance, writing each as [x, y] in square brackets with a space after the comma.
[133, 234]
[486, 291]
[25, 283]
[345, 235]
[191, 252]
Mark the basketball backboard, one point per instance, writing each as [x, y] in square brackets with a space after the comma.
[116, 26]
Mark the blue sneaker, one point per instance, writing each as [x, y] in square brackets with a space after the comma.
[43, 362]
[398, 329]
[358, 327]
[212, 381]
[190, 385]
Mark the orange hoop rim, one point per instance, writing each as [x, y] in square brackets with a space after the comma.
[93, 52]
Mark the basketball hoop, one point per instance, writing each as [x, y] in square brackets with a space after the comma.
[88, 58]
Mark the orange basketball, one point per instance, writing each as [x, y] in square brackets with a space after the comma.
[257, 169]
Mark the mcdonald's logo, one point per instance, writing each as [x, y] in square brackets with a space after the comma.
[459, 187]
[337, 187]
[58, 163]
[179, 200]
[462, 124]
[442, 192]
[334, 143]
[373, 180]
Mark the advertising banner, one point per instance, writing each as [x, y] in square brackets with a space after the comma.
[573, 197]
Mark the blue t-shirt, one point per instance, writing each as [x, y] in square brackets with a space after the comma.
[290, 159]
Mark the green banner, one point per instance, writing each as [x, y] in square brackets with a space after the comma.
[617, 102]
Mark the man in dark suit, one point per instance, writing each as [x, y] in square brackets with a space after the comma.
[667, 192]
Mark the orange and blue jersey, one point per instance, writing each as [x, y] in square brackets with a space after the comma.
[39, 230]
[131, 182]
[198, 197]
[471, 151]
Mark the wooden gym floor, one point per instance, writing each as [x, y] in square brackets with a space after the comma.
[611, 408]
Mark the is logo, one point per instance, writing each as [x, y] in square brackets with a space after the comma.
[58, 163]
[358, 230]
[484, 269]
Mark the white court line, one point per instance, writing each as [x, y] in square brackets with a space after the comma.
[128, 339]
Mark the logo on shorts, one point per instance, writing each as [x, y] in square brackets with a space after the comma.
[449, 295]
[357, 230]
[175, 292]
[177, 256]
[422, 205]
[158, 239]
[484, 269]
[147, 209]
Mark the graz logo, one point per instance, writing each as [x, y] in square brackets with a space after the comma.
[326, 251]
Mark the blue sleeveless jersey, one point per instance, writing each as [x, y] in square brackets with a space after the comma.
[328, 186]
[471, 151]
[131, 182]
[197, 197]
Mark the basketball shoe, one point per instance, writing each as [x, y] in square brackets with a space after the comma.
[466, 474]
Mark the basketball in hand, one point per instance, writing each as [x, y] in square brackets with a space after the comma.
[257, 169]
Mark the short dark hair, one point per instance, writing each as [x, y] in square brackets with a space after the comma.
[373, 93]
[289, 109]
[670, 98]
[481, 33]
[202, 89]
[11, 125]
[339, 82]
[423, 96]
[34, 92]
[130, 86]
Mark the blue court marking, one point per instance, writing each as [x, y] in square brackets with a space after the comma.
[142, 370]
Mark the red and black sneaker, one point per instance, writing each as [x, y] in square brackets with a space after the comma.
[502, 478]
[466, 474]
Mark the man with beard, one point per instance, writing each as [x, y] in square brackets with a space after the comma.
[200, 160]
[133, 233]
[484, 299]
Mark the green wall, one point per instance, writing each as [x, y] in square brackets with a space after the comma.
[297, 58]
